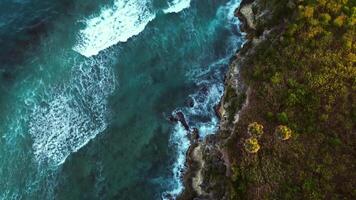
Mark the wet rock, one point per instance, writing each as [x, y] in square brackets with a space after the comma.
[179, 117]
[172, 119]
[217, 110]
[194, 135]
[190, 102]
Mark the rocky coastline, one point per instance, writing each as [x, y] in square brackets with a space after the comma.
[208, 164]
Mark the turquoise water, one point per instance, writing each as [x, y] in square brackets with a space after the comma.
[87, 88]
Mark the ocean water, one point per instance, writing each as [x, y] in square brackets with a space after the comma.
[87, 88]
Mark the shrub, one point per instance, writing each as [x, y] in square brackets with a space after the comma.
[292, 29]
[251, 145]
[325, 18]
[270, 116]
[307, 11]
[339, 21]
[255, 129]
[347, 42]
[292, 99]
[276, 78]
[351, 57]
[283, 132]
[282, 117]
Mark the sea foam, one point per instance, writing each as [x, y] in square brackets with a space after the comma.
[71, 114]
[116, 24]
[204, 102]
[177, 6]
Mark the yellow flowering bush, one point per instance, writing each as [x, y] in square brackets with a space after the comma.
[252, 145]
[255, 129]
[283, 132]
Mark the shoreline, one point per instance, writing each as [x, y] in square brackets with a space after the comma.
[196, 156]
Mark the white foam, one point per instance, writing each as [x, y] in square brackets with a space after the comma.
[181, 143]
[231, 6]
[177, 6]
[116, 24]
[72, 114]
[203, 106]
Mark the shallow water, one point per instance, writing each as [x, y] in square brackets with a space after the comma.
[87, 88]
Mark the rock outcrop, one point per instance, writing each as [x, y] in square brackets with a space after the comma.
[208, 164]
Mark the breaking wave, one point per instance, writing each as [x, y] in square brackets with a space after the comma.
[116, 24]
[71, 114]
[177, 6]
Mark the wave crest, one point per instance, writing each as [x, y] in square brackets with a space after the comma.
[177, 6]
[116, 24]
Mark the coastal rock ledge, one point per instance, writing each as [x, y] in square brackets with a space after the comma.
[207, 161]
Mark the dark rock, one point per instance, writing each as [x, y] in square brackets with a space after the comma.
[179, 117]
[217, 110]
[190, 102]
[172, 119]
[194, 135]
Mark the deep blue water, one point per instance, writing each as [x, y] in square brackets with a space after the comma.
[87, 88]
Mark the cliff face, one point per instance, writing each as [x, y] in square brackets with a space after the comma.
[279, 79]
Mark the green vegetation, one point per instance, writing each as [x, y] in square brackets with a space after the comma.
[236, 102]
[302, 75]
